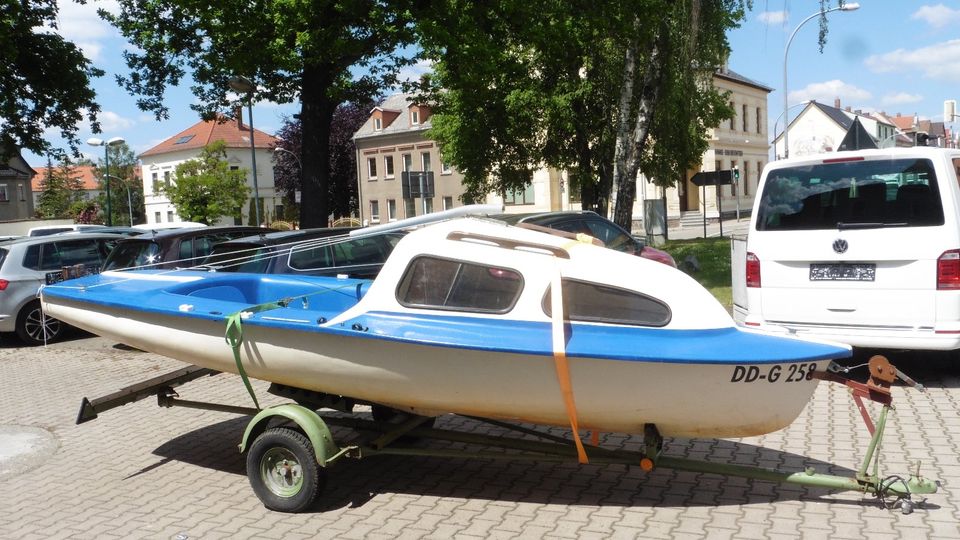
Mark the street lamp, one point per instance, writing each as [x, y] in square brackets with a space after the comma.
[853, 6]
[777, 121]
[245, 86]
[106, 160]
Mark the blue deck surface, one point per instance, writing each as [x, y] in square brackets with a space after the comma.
[314, 299]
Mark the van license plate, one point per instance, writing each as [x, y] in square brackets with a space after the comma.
[843, 272]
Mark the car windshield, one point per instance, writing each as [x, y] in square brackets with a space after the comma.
[851, 194]
[133, 254]
[240, 258]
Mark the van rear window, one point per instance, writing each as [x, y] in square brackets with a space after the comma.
[854, 194]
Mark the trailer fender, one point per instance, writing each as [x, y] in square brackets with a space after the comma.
[308, 421]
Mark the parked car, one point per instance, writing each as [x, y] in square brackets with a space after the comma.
[168, 225]
[173, 248]
[27, 263]
[315, 252]
[860, 247]
[126, 231]
[612, 235]
[44, 230]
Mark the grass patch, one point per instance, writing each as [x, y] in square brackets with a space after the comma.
[713, 256]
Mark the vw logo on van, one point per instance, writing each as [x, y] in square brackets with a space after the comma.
[840, 245]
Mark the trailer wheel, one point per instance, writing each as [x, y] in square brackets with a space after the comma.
[283, 471]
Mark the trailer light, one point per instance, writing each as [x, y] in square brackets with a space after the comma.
[753, 271]
[948, 270]
[3, 284]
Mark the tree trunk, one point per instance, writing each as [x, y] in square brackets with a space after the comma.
[316, 113]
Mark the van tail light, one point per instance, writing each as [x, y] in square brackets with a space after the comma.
[3, 284]
[753, 270]
[948, 270]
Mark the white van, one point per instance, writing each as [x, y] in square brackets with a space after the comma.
[859, 247]
[46, 230]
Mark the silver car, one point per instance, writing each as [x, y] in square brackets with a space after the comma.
[27, 263]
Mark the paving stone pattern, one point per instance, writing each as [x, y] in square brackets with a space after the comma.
[145, 472]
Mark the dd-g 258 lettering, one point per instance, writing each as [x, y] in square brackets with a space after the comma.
[774, 373]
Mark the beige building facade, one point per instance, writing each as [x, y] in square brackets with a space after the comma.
[393, 140]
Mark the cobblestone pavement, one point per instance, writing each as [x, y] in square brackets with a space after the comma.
[144, 472]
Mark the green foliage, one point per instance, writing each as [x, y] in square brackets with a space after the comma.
[293, 50]
[713, 254]
[45, 80]
[123, 177]
[62, 190]
[205, 189]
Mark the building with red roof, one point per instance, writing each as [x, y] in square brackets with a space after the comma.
[159, 163]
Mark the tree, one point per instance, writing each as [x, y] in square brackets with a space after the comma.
[62, 189]
[45, 80]
[342, 189]
[123, 177]
[205, 189]
[291, 50]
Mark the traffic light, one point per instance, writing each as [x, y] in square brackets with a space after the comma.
[736, 174]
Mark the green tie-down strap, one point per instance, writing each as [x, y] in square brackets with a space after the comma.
[234, 338]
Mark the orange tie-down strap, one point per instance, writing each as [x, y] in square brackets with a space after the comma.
[562, 366]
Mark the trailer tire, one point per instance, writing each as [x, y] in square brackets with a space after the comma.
[283, 470]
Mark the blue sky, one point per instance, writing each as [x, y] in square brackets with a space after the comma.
[893, 56]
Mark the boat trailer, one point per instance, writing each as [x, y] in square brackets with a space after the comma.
[289, 446]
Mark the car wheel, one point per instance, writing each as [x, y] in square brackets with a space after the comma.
[35, 328]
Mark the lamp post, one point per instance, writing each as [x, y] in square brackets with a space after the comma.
[853, 6]
[244, 85]
[106, 160]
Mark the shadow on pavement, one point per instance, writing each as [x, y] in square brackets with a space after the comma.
[351, 483]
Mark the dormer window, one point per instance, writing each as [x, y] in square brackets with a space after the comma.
[414, 118]
[377, 124]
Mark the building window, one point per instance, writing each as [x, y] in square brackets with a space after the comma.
[745, 118]
[377, 124]
[733, 118]
[447, 203]
[409, 208]
[20, 192]
[3, 193]
[445, 167]
[372, 168]
[166, 178]
[745, 178]
[425, 161]
[407, 162]
[522, 196]
[169, 215]
[183, 140]
[156, 184]
[374, 211]
[429, 205]
[414, 118]
[388, 166]
[156, 217]
[392, 209]
[758, 120]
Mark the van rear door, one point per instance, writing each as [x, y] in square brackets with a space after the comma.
[838, 243]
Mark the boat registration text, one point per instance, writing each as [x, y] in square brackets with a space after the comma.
[775, 373]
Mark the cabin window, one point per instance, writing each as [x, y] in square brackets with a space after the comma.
[592, 302]
[435, 283]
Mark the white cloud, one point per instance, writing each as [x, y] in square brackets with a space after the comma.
[825, 92]
[414, 72]
[80, 22]
[901, 98]
[111, 122]
[938, 16]
[773, 18]
[937, 61]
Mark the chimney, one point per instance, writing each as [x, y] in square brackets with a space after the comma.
[238, 114]
[836, 103]
[847, 108]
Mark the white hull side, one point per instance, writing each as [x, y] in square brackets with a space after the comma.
[683, 400]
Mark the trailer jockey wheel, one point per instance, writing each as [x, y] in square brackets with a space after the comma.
[283, 471]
